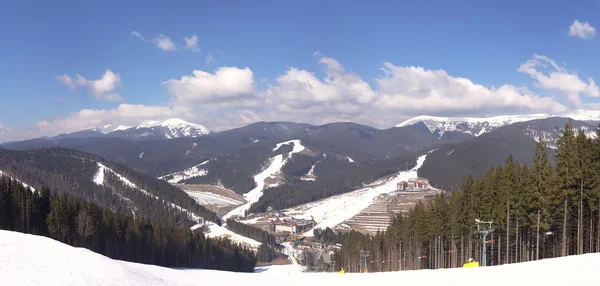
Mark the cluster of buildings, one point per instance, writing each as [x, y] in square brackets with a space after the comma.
[413, 185]
[291, 225]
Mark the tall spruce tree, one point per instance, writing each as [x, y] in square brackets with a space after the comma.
[567, 183]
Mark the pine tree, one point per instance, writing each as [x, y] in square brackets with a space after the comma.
[566, 164]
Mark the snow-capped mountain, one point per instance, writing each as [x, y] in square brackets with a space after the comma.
[449, 127]
[160, 129]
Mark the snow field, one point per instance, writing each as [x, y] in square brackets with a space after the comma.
[36, 260]
[194, 171]
[332, 211]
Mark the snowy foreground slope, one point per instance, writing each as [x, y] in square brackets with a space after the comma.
[35, 260]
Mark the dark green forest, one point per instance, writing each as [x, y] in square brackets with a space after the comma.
[80, 223]
[539, 210]
[72, 171]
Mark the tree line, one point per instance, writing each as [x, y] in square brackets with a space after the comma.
[539, 210]
[81, 223]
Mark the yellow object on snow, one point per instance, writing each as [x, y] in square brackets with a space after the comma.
[342, 271]
[471, 264]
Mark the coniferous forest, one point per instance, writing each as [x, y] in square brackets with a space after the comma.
[80, 223]
[539, 210]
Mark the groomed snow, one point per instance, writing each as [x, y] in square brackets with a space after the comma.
[332, 211]
[194, 171]
[36, 260]
[221, 231]
[209, 198]
[274, 167]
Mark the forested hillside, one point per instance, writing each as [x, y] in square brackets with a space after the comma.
[539, 210]
[446, 166]
[346, 180]
[73, 172]
[80, 223]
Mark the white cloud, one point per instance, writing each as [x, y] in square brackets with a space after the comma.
[166, 44]
[582, 30]
[103, 88]
[339, 91]
[191, 43]
[559, 79]
[226, 85]
[415, 91]
[229, 98]
[160, 41]
[209, 59]
[67, 80]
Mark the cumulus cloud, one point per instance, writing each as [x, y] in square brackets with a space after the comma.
[302, 91]
[103, 88]
[229, 97]
[227, 85]
[558, 79]
[416, 90]
[582, 30]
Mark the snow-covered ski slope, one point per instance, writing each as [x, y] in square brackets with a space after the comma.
[22, 183]
[221, 232]
[36, 260]
[275, 165]
[208, 198]
[332, 211]
[194, 171]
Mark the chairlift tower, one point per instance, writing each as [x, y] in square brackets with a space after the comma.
[484, 228]
[363, 260]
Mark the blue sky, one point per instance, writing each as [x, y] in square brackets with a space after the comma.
[309, 61]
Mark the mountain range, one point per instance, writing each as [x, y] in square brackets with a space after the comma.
[457, 146]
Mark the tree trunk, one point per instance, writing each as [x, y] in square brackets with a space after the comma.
[499, 250]
[517, 242]
[507, 232]
[591, 232]
[564, 237]
[580, 219]
[537, 246]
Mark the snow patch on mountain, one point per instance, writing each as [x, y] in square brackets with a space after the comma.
[176, 126]
[22, 183]
[216, 231]
[478, 126]
[275, 165]
[350, 160]
[194, 171]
